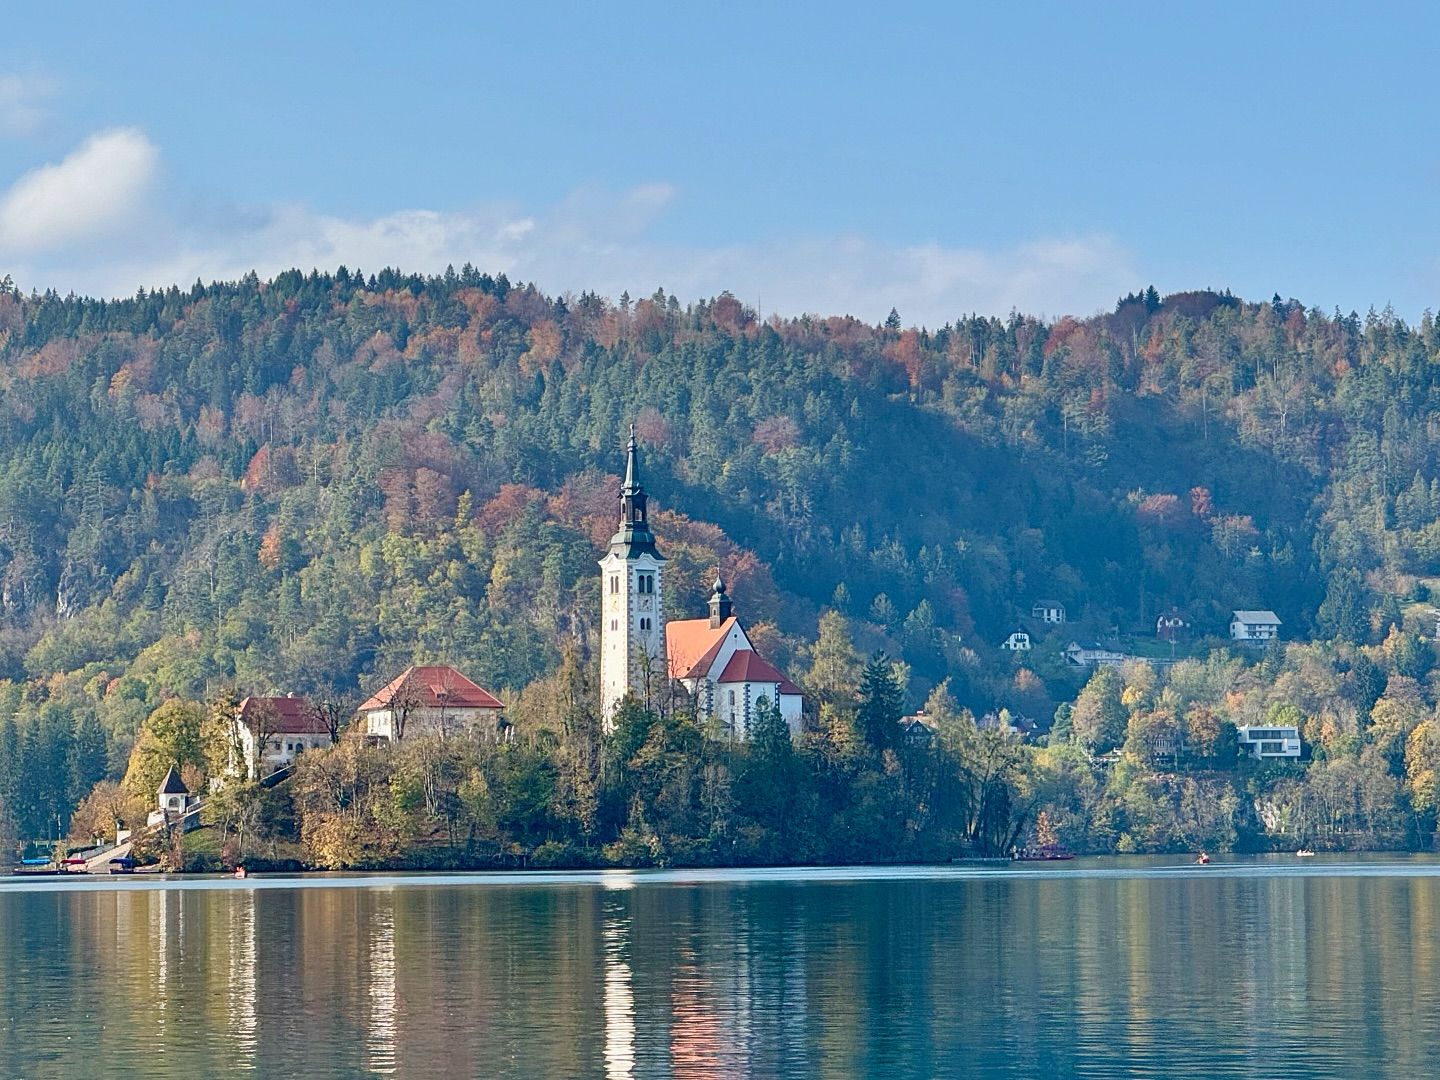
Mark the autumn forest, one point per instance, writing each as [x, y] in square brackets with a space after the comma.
[306, 484]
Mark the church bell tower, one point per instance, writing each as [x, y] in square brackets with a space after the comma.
[632, 628]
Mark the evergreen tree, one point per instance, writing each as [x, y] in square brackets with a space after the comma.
[89, 757]
[881, 703]
[1344, 614]
[9, 780]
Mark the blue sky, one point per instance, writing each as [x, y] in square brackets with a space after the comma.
[828, 158]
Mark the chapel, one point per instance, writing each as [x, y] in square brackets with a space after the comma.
[712, 657]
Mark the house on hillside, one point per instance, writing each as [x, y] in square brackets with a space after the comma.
[1093, 654]
[1267, 741]
[916, 731]
[1018, 641]
[1048, 611]
[1254, 627]
[1171, 626]
[1005, 720]
[268, 733]
[432, 700]
[714, 659]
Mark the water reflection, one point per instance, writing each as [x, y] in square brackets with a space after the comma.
[241, 956]
[381, 1030]
[619, 994]
[622, 977]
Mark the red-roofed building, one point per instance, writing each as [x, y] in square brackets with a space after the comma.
[433, 699]
[270, 732]
[714, 659]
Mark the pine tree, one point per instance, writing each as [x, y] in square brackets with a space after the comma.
[9, 782]
[89, 756]
[881, 704]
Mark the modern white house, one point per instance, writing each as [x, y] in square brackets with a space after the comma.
[433, 700]
[269, 733]
[1269, 742]
[1093, 654]
[1048, 611]
[1018, 641]
[1254, 627]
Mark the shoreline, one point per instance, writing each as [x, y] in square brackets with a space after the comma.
[1093, 867]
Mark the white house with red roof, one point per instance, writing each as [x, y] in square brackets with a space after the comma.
[433, 700]
[714, 659]
[269, 733]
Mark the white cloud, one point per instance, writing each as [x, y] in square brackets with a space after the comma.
[596, 240]
[21, 112]
[96, 191]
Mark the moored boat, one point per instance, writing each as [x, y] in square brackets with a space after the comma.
[1042, 853]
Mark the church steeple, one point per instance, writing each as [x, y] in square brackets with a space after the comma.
[632, 609]
[721, 606]
[634, 534]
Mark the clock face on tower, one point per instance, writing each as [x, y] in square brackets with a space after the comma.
[644, 603]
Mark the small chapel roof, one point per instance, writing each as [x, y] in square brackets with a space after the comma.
[434, 685]
[172, 784]
[749, 666]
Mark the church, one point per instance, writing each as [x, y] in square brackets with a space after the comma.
[640, 653]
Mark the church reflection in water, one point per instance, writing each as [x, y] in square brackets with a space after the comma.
[619, 991]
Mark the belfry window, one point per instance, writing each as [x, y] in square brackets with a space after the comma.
[645, 584]
[614, 584]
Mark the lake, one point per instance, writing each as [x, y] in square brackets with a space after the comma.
[1262, 968]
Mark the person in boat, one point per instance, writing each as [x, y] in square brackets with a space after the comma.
[240, 872]
[1203, 860]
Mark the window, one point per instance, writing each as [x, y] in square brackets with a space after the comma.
[644, 624]
[614, 584]
[645, 584]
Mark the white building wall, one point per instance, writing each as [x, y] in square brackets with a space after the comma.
[423, 721]
[632, 629]
[280, 750]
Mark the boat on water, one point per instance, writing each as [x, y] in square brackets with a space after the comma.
[1304, 853]
[1042, 853]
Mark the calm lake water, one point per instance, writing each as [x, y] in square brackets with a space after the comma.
[1097, 968]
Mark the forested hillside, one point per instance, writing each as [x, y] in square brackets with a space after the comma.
[307, 483]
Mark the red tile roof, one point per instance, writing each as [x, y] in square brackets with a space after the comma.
[435, 686]
[292, 716]
[692, 644]
[749, 666]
